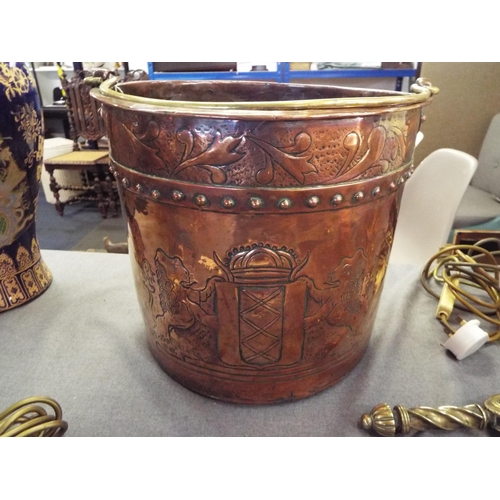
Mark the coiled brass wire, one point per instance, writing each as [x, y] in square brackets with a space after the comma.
[28, 418]
[462, 267]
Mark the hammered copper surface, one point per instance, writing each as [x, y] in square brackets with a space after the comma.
[259, 244]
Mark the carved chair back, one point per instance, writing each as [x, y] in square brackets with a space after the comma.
[83, 112]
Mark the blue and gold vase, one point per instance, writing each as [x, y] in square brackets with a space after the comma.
[23, 274]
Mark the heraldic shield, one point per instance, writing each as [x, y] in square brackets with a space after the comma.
[259, 321]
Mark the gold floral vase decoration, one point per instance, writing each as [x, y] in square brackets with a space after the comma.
[23, 274]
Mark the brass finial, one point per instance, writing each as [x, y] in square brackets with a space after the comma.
[400, 420]
[381, 420]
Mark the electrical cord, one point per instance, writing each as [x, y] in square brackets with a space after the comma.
[28, 418]
[460, 270]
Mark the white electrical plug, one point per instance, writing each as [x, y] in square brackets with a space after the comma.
[466, 340]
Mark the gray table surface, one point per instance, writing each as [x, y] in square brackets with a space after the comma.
[83, 343]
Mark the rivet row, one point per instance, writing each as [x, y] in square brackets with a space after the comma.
[256, 202]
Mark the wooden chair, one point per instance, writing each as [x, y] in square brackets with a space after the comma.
[88, 156]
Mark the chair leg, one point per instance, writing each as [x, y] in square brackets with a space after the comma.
[55, 188]
[115, 197]
[110, 194]
[102, 205]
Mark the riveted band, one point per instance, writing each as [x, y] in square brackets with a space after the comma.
[262, 200]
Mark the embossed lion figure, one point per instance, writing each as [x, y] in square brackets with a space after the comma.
[181, 303]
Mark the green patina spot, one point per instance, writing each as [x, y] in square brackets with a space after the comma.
[3, 224]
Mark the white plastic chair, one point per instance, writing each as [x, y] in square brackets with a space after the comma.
[480, 207]
[429, 204]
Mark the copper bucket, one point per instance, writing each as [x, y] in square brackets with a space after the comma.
[261, 217]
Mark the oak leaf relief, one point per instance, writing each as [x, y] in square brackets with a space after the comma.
[294, 159]
[220, 153]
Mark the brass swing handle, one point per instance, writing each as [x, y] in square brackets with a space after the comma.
[423, 85]
[385, 421]
[93, 81]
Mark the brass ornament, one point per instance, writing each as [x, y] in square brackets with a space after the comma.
[402, 421]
